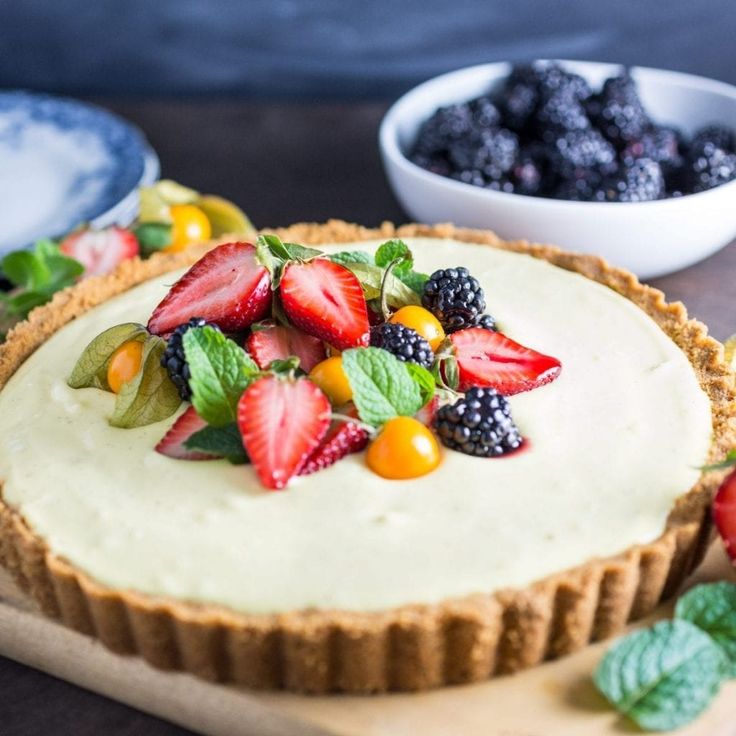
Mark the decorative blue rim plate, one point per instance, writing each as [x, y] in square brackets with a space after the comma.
[65, 162]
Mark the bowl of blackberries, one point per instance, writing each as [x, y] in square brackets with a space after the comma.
[636, 165]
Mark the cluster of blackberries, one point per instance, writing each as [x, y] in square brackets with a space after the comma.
[547, 134]
[478, 424]
[404, 343]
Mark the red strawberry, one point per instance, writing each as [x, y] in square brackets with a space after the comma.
[428, 412]
[227, 287]
[342, 439]
[278, 343]
[99, 251]
[326, 300]
[487, 358]
[724, 513]
[172, 445]
[282, 422]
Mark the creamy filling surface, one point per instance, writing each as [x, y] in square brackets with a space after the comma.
[613, 442]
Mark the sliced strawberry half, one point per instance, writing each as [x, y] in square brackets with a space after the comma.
[278, 343]
[428, 412]
[100, 251]
[326, 300]
[172, 444]
[724, 513]
[342, 439]
[487, 358]
[282, 422]
[226, 287]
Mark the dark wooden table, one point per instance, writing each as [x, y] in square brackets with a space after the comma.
[282, 163]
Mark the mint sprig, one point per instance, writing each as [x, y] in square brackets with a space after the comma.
[398, 250]
[712, 608]
[382, 385]
[220, 371]
[346, 257]
[36, 275]
[225, 441]
[665, 676]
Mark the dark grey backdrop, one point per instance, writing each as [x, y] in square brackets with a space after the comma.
[331, 49]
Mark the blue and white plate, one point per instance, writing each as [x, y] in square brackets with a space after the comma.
[64, 162]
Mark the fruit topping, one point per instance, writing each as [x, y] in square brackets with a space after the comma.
[124, 364]
[226, 287]
[173, 442]
[100, 251]
[189, 225]
[174, 359]
[276, 342]
[282, 422]
[490, 359]
[421, 321]
[404, 448]
[479, 424]
[330, 377]
[403, 342]
[325, 299]
[454, 297]
[343, 439]
[724, 513]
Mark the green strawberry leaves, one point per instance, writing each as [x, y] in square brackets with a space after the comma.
[153, 236]
[273, 254]
[220, 371]
[662, 677]
[382, 385]
[150, 396]
[91, 368]
[712, 608]
[728, 462]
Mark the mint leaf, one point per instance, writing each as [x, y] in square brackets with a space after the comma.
[225, 441]
[393, 250]
[150, 396]
[662, 677]
[424, 379]
[351, 256]
[153, 236]
[712, 608]
[382, 385]
[24, 302]
[220, 371]
[24, 269]
[728, 462]
[91, 367]
[415, 281]
[398, 294]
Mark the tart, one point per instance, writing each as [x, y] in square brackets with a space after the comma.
[350, 582]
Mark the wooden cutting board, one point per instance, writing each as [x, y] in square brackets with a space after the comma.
[555, 699]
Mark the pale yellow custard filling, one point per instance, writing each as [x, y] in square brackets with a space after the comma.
[613, 442]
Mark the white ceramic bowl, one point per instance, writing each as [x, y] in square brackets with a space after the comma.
[649, 238]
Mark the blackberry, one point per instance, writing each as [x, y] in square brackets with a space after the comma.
[454, 297]
[559, 111]
[553, 79]
[659, 144]
[478, 424]
[470, 176]
[403, 342]
[642, 181]
[448, 124]
[437, 163]
[617, 111]
[582, 149]
[529, 172]
[174, 359]
[720, 137]
[519, 97]
[586, 186]
[708, 166]
[491, 151]
[486, 322]
[485, 113]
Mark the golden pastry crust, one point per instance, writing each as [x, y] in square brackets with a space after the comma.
[408, 648]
